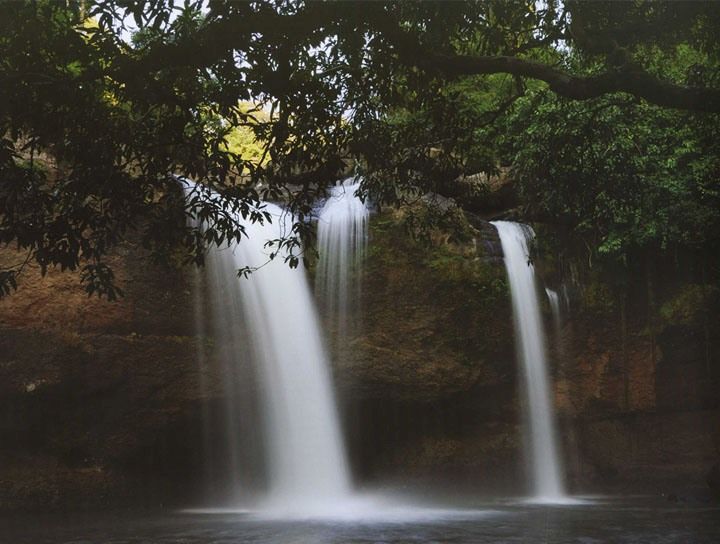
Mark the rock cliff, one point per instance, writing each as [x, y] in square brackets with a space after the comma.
[103, 403]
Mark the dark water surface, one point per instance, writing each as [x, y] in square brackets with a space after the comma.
[627, 520]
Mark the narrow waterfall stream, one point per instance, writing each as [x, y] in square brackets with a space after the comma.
[342, 240]
[271, 318]
[530, 341]
[554, 301]
[557, 303]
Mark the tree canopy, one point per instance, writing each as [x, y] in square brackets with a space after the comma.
[605, 111]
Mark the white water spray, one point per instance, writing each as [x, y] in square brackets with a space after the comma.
[342, 240]
[554, 300]
[306, 460]
[530, 341]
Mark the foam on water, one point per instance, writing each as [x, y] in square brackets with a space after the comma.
[359, 509]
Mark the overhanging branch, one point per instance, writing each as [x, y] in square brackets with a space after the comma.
[627, 80]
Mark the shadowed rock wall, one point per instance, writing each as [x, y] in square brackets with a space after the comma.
[104, 403]
[94, 395]
[431, 382]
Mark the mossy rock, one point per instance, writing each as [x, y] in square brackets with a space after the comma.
[689, 304]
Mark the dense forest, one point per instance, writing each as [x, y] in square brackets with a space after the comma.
[605, 115]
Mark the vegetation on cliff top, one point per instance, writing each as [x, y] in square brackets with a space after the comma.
[608, 112]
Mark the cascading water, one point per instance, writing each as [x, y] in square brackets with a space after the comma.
[272, 314]
[342, 239]
[558, 302]
[530, 340]
[270, 319]
[554, 300]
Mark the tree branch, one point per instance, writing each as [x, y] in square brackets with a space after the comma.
[625, 79]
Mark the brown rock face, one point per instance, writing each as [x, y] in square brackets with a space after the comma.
[428, 379]
[637, 394]
[713, 479]
[105, 403]
[434, 319]
[92, 391]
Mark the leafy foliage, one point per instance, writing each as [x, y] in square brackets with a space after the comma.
[104, 103]
[625, 175]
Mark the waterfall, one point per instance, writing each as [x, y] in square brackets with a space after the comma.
[270, 318]
[545, 459]
[554, 300]
[556, 309]
[342, 239]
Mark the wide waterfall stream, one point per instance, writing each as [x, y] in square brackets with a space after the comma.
[273, 316]
[530, 337]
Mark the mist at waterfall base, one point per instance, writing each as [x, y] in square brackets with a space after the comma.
[631, 520]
